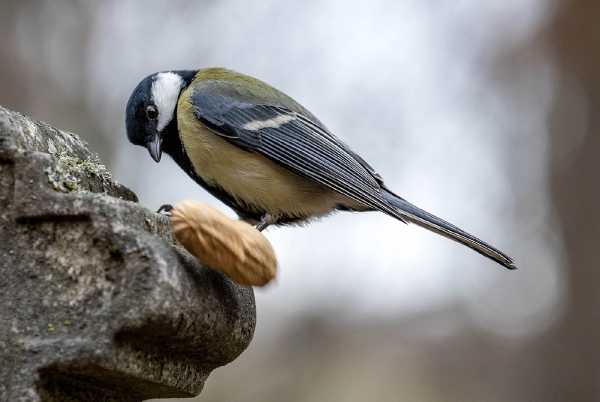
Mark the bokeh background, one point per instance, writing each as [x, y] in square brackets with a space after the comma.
[483, 112]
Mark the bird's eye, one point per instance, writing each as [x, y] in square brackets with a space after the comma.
[151, 112]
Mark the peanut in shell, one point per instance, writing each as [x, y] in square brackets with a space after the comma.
[233, 247]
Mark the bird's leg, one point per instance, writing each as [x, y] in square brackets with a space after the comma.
[167, 208]
[266, 220]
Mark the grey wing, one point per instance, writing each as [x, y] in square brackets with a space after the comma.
[291, 140]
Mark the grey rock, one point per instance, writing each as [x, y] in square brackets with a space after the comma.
[99, 301]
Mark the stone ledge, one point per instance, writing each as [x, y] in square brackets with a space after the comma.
[99, 300]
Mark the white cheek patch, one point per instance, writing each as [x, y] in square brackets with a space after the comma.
[273, 123]
[165, 92]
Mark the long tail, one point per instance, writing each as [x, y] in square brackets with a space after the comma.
[439, 226]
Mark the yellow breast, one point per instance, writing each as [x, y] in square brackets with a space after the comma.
[250, 178]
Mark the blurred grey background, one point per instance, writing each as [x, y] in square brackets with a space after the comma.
[482, 112]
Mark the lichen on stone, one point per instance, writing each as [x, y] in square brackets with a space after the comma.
[91, 165]
[63, 179]
[67, 175]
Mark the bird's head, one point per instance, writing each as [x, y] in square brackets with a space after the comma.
[152, 108]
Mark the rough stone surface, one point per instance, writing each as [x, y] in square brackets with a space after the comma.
[99, 302]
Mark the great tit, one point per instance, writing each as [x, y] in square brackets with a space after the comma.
[263, 154]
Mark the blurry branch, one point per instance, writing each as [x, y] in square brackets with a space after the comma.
[574, 350]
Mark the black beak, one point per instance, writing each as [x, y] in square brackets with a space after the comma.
[155, 148]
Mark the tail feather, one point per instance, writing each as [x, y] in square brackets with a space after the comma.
[431, 222]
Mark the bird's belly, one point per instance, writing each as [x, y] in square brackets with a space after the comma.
[253, 180]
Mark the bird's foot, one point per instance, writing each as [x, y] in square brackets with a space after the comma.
[167, 208]
[266, 220]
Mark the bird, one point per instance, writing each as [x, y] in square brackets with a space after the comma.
[263, 154]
